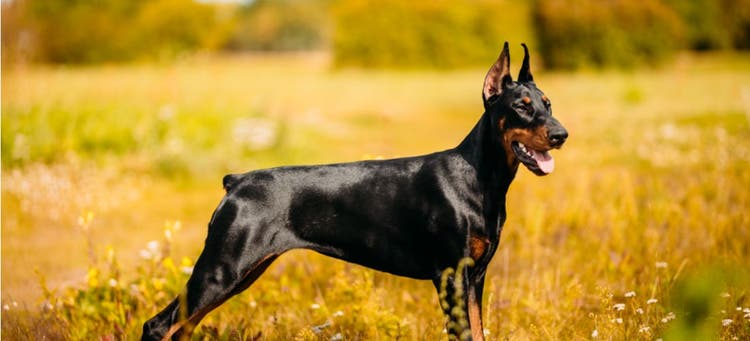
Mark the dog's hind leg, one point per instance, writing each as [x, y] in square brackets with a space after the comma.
[237, 251]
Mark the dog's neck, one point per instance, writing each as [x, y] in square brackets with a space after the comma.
[483, 149]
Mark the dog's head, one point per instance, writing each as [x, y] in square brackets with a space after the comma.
[523, 114]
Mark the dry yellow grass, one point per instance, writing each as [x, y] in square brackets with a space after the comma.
[645, 214]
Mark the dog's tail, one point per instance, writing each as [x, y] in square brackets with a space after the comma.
[230, 180]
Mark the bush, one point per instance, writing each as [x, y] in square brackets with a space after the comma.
[394, 33]
[167, 28]
[712, 24]
[606, 33]
[75, 31]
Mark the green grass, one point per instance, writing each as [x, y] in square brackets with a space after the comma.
[649, 196]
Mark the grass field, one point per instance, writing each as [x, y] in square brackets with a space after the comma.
[111, 173]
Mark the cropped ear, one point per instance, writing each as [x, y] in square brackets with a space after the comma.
[499, 75]
[524, 76]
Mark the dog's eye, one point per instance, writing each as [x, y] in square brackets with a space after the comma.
[525, 114]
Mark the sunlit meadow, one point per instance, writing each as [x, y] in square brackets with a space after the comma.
[111, 173]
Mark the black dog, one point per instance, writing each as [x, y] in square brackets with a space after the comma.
[411, 217]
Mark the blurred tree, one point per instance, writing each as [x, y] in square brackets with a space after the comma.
[16, 44]
[82, 31]
[394, 33]
[597, 33]
[280, 25]
[712, 24]
[373, 33]
[703, 18]
[79, 30]
[166, 28]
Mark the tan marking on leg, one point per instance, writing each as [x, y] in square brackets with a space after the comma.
[477, 247]
[475, 317]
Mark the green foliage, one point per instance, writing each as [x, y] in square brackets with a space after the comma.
[158, 134]
[707, 299]
[440, 34]
[111, 304]
[574, 34]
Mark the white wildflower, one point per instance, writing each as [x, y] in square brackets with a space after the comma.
[255, 133]
[670, 316]
[726, 322]
[486, 332]
[595, 334]
[746, 310]
[188, 270]
[619, 307]
[652, 301]
[145, 254]
[617, 320]
[153, 246]
[630, 294]
[6, 307]
[253, 304]
[112, 282]
[134, 289]
[166, 112]
[661, 265]
[315, 306]
[644, 329]
[639, 311]
[338, 313]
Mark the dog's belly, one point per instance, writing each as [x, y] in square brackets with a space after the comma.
[400, 266]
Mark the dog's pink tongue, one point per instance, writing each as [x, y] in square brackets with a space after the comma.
[545, 161]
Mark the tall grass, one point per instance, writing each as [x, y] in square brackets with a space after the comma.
[641, 232]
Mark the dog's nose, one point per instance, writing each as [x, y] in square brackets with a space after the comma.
[557, 137]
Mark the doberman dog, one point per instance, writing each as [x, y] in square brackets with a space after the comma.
[413, 217]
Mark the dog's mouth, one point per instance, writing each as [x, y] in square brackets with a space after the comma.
[537, 161]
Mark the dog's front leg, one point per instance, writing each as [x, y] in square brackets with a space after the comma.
[474, 307]
[462, 303]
